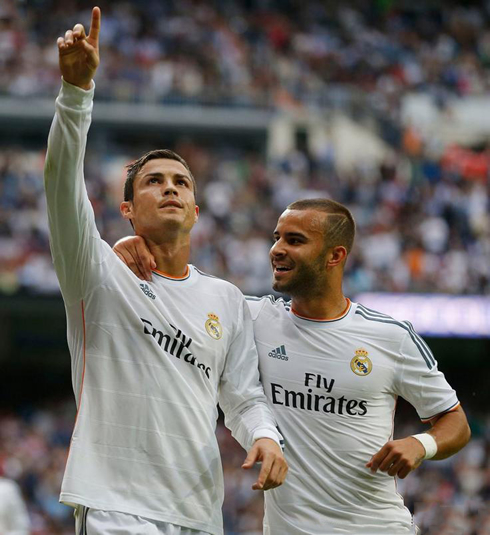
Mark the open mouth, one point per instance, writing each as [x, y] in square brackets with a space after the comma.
[282, 269]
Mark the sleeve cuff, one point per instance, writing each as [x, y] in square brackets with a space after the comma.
[269, 433]
[75, 97]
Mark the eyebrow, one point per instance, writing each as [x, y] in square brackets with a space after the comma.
[157, 174]
[292, 235]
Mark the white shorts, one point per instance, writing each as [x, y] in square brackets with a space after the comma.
[95, 522]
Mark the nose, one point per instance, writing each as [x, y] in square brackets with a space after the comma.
[169, 188]
[277, 249]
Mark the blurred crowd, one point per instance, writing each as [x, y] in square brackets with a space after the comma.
[422, 224]
[422, 214]
[254, 52]
[448, 497]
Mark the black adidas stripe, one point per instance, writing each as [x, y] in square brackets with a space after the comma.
[429, 359]
[428, 352]
[205, 274]
[83, 520]
[405, 324]
[271, 298]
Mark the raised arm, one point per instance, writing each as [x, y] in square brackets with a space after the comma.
[74, 240]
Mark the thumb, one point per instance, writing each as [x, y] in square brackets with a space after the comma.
[92, 55]
[251, 459]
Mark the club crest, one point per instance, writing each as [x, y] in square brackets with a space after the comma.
[361, 364]
[213, 326]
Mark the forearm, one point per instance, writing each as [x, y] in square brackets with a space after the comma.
[71, 219]
[67, 138]
[250, 420]
[451, 433]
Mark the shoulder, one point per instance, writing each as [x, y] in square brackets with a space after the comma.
[403, 332]
[8, 486]
[213, 290]
[267, 303]
[382, 323]
[217, 284]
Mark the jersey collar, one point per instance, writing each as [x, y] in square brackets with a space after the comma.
[176, 282]
[333, 322]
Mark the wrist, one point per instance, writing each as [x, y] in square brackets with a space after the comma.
[85, 87]
[429, 443]
[270, 434]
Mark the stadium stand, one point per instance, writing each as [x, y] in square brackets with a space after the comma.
[427, 222]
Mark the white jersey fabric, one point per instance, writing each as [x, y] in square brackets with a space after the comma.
[150, 360]
[14, 519]
[333, 387]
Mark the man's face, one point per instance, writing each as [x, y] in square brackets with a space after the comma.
[163, 199]
[298, 256]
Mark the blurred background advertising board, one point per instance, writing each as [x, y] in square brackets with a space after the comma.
[435, 315]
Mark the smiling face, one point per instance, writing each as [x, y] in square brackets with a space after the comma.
[299, 254]
[163, 202]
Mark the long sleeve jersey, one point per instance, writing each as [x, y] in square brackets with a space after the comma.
[150, 361]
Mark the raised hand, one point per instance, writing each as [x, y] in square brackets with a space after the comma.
[79, 53]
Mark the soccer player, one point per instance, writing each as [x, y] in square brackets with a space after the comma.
[332, 371]
[149, 362]
[14, 519]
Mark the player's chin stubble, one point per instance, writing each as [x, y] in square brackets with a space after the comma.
[302, 284]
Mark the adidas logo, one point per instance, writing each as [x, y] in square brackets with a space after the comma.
[147, 291]
[279, 353]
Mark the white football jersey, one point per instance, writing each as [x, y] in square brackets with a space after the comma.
[14, 519]
[333, 387]
[150, 361]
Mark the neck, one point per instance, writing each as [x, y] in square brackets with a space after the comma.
[171, 257]
[325, 306]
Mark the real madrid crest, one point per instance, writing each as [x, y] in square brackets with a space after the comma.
[361, 364]
[213, 326]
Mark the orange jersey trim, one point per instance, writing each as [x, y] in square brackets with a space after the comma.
[186, 274]
[342, 314]
[452, 409]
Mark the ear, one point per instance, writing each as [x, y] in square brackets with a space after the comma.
[197, 214]
[126, 209]
[336, 256]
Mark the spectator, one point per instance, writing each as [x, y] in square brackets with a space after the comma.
[14, 519]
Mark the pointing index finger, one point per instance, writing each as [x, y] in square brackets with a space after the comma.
[95, 24]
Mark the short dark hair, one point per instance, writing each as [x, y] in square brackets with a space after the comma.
[340, 228]
[134, 168]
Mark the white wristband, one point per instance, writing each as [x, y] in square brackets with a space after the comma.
[429, 443]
